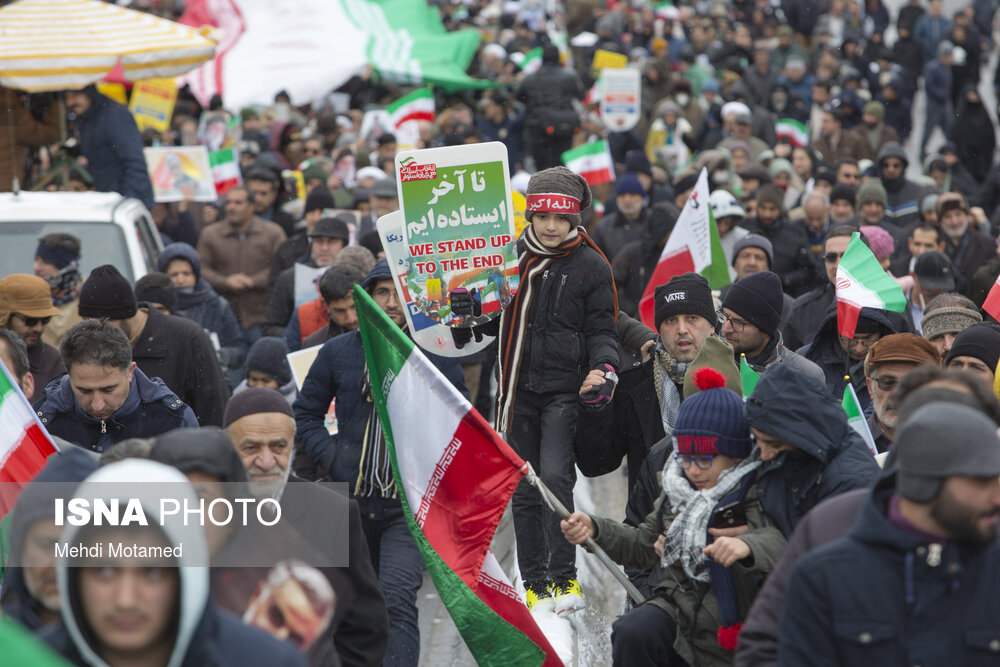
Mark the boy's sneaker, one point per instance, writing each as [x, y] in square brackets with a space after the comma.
[539, 597]
[568, 596]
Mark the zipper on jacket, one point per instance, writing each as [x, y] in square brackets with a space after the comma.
[104, 427]
[934, 554]
[562, 284]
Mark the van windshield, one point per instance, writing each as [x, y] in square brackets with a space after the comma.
[100, 243]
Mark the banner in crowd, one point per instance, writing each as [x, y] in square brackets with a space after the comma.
[179, 173]
[404, 41]
[592, 161]
[152, 104]
[459, 231]
[455, 478]
[620, 93]
[693, 246]
[863, 283]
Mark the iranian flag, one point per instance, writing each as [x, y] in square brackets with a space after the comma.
[225, 170]
[693, 246]
[795, 131]
[24, 443]
[592, 161]
[455, 477]
[532, 61]
[863, 283]
[856, 417]
[418, 105]
[992, 303]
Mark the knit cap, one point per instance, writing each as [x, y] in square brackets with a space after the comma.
[558, 190]
[717, 354]
[876, 109]
[106, 294]
[687, 294]
[952, 319]
[769, 194]
[629, 185]
[981, 341]
[843, 191]
[872, 191]
[758, 299]
[711, 422]
[754, 241]
[879, 241]
[269, 355]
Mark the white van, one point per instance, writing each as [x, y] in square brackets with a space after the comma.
[112, 230]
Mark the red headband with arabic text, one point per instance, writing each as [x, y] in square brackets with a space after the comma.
[553, 202]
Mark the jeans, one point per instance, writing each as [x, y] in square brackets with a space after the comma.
[937, 115]
[542, 430]
[400, 571]
[645, 636]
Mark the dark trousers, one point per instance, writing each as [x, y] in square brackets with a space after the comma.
[542, 430]
[937, 115]
[400, 573]
[645, 636]
[546, 150]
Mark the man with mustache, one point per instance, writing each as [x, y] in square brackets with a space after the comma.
[887, 362]
[25, 309]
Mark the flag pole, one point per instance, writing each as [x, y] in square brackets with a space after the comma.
[590, 545]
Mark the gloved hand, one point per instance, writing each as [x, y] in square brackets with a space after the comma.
[461, 336]
[600, 396]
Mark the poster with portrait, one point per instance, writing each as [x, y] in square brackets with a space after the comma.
[180, 173]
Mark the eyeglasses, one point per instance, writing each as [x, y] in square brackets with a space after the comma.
[832, 257]
[701, 462]
[34, 321]
[885, 383]
[735, 324]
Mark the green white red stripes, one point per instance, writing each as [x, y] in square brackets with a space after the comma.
[24, 444]
[418, 105]
[793, 130]
[592, 161]
[863, 283]
[455, 477]
[856, 417]
[225, 170]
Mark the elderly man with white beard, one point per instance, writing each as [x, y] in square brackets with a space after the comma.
[887, 362]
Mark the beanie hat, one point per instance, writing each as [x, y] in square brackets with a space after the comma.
[843, 191]
[269, 355]
[951, 201]
[315, 170]
[758, 299]
[942, 440]
[148, 291]
[953, 320]
[711, 422]
[717, 354]
[687, 294]
[636, 161]
[319, 198]
[685, 181]
[872, 191]
[27, 295]
[879, 241]
[876, 109]
[253, 401]
[629, 184]
[558, 190]
[769, 194]
[754, 241]
[55, 254]
[379, 272]
[981, 341]
[106, 294]
[779, 165]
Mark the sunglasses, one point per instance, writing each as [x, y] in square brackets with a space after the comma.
[34, 321]
[832, 257]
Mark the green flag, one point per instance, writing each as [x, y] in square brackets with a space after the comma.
[748, 376]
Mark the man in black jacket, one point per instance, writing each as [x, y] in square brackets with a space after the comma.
[792, 260]
[174, 349]
[911, 581]
[551, 119]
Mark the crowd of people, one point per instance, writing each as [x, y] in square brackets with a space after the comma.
[760, 526]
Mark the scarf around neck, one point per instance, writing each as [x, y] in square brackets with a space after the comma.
[667, 374]
[534, 261]
[65, 285]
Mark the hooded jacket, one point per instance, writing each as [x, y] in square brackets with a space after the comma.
[902, 209]
[832, 458]
[204, 305]
[881, 596]
[111, 142]
[204, 634]
[150, 409]
[35, 503]
[825, 351]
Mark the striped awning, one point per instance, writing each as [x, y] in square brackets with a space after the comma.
[68, 44]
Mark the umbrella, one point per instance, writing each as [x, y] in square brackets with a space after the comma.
[68, 44]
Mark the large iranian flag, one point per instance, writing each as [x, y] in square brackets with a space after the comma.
[455, 477]
[418, 105]
[693, 246]
[863, 283]
[24, 443]
[592, 161]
